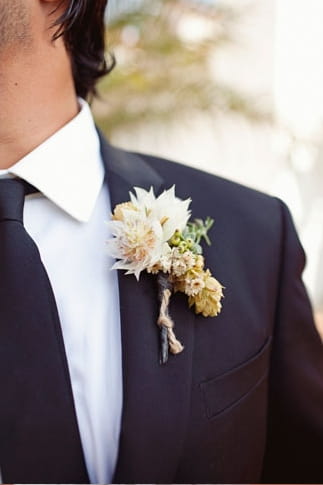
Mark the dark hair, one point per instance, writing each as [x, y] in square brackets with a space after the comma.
[83, 29]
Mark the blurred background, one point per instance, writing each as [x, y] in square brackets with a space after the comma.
[233, 87]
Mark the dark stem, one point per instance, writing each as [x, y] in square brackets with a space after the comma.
[163, 285]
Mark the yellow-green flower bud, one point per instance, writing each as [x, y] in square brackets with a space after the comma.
[189, 242]
[175, 240]
[183, 246]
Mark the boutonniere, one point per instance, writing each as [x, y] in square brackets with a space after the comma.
[155, 234]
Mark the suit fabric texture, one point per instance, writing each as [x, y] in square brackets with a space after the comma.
[243, 403]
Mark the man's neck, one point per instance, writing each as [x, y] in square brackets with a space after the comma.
[37, 98]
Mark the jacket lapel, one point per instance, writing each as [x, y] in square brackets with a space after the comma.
[156, 398]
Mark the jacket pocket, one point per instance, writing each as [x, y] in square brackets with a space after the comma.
[227, 390]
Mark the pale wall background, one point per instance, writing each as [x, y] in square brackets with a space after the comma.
[277, 57]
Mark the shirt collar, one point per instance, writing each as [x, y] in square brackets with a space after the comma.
[67, 168]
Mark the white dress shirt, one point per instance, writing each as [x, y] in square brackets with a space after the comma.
[68, 223]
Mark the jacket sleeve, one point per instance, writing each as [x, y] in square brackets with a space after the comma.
[294, 452]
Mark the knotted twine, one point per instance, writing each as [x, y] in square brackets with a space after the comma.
[168, 338]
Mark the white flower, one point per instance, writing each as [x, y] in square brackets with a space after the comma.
[164, 264]
[182, 262]
[137, 243]
[171, 212]
[142, 227]
[194, 286]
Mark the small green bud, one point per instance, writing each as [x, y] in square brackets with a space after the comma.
[189, 242]
[182, 247]
[175, 240]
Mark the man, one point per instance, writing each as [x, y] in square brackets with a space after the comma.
[83, 396]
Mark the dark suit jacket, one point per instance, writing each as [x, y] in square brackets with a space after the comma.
[242, 404]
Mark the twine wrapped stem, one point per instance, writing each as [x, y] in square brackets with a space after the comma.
[168, 340]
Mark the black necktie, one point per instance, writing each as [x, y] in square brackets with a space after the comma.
[39, 437]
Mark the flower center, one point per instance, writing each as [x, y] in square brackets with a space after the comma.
[139, 241]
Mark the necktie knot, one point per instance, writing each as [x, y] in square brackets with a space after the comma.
[12, 198]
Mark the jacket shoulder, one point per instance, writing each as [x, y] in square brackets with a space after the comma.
[237, 201]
